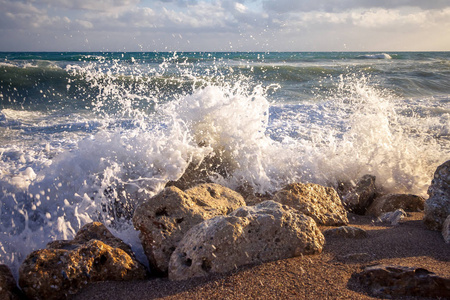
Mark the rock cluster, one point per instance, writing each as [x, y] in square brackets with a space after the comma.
[164, 219]
[320, 203]
[388, 281]
[64, 267]
[265, 232]
[209, 228]
[437, 207]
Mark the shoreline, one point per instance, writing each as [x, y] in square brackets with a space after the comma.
[323, 276]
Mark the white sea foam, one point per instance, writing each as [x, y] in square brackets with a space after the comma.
[377, 56]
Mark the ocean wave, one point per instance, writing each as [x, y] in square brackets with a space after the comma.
[375, 56]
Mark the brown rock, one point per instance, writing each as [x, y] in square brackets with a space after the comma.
[358, 197]
[252, 234]
[446, 230]
[8, 287]
[387, 281]
[320, 203]
[92, 231]
[346, 232]
[65, 267]
[165, 218]
[437, 207]
[393, 202]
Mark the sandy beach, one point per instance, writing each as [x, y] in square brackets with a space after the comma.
[324, 276]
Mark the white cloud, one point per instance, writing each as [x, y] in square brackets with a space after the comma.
[217, 24]
[97, 5]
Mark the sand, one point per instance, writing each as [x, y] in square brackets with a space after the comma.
[324, 276]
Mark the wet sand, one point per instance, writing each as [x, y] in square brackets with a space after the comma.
[324, 276]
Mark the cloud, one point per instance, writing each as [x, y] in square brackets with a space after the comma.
[284, 6]
[216, 24]
[98, 5]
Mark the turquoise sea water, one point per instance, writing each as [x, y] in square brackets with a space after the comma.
[82, 131]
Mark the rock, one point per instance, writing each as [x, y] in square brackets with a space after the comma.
[320, 203]
[446, 230]
[437, 207]
[8, 287]
[358, 197]
[202, 170]
[92, 231]
[387, 281]
[253, 234]
[250, 196]
[346, 232]
[393, 217]
[165, 218]
[65, 267]
[392, 202]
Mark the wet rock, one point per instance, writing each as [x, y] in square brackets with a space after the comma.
[203, 170]
[253, 234]
[8, 287]
[387, 281]
[437, 207]
[165, 218]
[319, 202]
[446, 230]
[346, 232]
[65, 267]
[357, 197]
[250, 196]
[393, 217]
[92, 231]
[392, 202]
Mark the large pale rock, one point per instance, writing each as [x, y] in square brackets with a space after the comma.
[388, 281]
[357, 197]
[320, 203]
[392, 202]
[437, 207]
[446, 230]
[8, 287]
[165, 218]
[65, 267]
[253, 234]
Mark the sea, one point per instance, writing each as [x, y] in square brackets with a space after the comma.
[88, 136]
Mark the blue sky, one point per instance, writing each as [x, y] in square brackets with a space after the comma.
[224, 25]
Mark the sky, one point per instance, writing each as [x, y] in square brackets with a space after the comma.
[224, 25]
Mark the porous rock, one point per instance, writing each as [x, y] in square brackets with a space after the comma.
[437, 206]
[320, 203]
[446, 230]
[65, 267]
[8, 287]
[392, 202]
[165, 218]
[387, 281]
[253, 234]
[357, 197]
[345, 232]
